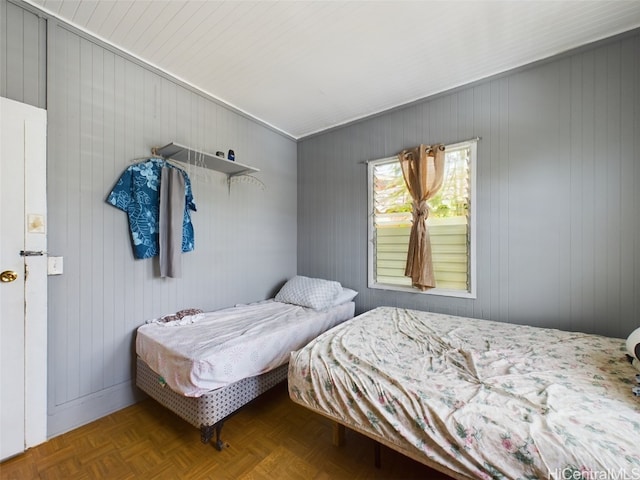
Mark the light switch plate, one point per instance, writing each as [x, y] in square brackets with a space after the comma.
[54, 266]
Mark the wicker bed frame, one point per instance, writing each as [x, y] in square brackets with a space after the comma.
[208, 412]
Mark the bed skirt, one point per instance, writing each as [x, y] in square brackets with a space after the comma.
[208, 411]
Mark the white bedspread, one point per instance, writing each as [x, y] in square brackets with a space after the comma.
[482, 399]
[224, 346]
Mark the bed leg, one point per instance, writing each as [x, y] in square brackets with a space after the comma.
[206, 433]
[338, 434]
[219, 443]
[376, 454]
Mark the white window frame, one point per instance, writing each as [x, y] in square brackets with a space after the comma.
[471, 293]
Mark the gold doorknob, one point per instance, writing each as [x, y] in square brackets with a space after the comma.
[8, 276]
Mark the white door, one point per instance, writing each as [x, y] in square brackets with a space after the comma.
[22, 227]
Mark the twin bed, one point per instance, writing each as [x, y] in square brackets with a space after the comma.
[205, 366]
[470, 398]
[477, 399]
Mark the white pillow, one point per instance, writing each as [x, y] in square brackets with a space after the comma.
[309, 292]
[633, 347]
[346, 295]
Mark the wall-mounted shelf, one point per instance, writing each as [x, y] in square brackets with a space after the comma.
[184, 154]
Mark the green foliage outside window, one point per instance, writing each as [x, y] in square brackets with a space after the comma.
[393, 204]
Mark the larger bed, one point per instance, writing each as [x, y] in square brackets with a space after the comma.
[204, 366]
[475, 398]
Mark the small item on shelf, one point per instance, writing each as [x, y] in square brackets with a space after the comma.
[181, 153]
[231, 156]
[220, 154]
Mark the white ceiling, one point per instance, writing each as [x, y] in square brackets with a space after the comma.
[306, 66]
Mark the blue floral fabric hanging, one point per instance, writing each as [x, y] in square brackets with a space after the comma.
[138, 193]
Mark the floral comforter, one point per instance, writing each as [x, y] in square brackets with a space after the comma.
[482, 399]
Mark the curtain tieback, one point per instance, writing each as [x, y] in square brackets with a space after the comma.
[421, 212]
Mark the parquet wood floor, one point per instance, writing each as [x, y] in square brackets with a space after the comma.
[271, 438]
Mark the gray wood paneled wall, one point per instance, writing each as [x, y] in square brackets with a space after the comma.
[23, 55]
[557, 193]
[105, 110]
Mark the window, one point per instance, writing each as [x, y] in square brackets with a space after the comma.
[451, 225]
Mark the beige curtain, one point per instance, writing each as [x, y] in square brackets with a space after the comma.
[423, 171]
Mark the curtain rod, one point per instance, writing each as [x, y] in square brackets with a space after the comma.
[474, 139]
